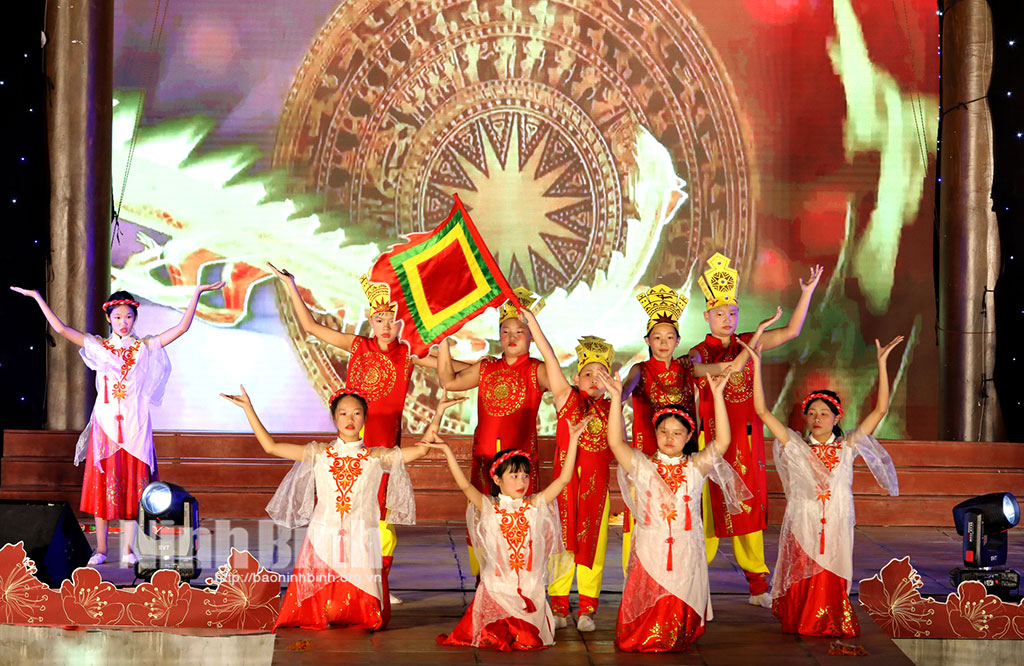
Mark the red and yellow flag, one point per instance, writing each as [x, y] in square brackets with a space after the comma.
[441, 279]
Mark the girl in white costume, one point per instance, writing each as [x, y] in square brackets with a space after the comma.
[518, 541]
[333, 488]
[810, 590]
[665, 598]
[117, 445]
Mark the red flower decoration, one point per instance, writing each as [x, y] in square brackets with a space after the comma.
[246, 596]
[23, 599]
[88, 600]
[892, 599]
[163, 602]
[974, 613]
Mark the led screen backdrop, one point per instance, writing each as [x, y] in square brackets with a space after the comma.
[600, 147]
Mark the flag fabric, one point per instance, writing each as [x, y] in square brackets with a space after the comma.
[441, 279]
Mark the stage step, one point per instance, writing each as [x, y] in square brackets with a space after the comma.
[232, 477]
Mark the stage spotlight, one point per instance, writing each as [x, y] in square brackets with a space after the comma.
[983, 522]
[168, 535]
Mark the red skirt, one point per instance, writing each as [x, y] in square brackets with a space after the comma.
[112, 490]
[817, 606]
[506, 635]
[338, 603]
[670, 625]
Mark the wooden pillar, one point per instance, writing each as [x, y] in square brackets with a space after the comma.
[79, 63]
[968, 240]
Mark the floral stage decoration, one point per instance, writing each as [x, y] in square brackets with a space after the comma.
[243, 597]
[893, 599]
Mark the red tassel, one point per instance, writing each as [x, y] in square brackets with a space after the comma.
[106, 397]
[686, 526]
[822, 536]
[120, 435]
[528, 606]
[529, 559]
[669, 541]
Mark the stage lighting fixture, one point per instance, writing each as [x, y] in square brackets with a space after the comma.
[983, 522]
[168, 534]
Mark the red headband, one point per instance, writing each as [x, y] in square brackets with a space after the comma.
[505, 455]
[122, 301]
[822, 396]
[344, 391]
[676, 412]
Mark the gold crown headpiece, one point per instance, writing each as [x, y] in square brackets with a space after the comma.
[379, 296]
[719, 283]
[663, 306]
[529, 300]
[594, 350]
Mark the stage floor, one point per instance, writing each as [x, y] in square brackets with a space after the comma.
[431, 575]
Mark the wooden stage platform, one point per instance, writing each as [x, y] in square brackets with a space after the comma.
[232, 477]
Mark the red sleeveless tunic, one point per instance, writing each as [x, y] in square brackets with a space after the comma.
[383, 379]
[507, 405]
[581, 503]
[746, 450]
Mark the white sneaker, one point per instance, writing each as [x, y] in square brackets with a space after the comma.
[585, 623]
[97, 559]
[128, 561]
[561, 622]
[395, 601]
[764, 600]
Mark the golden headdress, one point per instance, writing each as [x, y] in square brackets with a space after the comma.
[379, 296]
[529, 300]
[594, 350]
[663, 306]
[719, 283]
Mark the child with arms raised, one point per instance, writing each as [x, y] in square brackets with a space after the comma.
[516, 537]
[665, 599]
[810, 590]
[338, 574]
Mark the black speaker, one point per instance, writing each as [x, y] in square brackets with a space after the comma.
[53, 538]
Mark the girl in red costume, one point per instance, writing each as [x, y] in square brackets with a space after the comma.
[746, 453]
[665, 599]
[338, 578]
[810, 589]
[517, 538]
[117, 445]
[662, 379]
[511, 388]
[379, 367]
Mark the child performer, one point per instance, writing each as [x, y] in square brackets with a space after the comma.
[583, 505]
[746, 453]
[338, 578]
[665, 599]
[117, 445]
[515, 536]
[810, 590]
[379, 367]
[511, 388]
[662, 380]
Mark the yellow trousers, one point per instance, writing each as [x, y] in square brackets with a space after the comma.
[627, 540]
[588, 579]
[388, 539]
[747, 548]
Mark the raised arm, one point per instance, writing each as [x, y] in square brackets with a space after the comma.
[557, 383]
[631, 381]
[430, 435]
[467, 488]
[616, 426]
[774, 338]
[776, 426]
[60, 327]
[176, 331]
[870, 422]
[569, 464]
[723, 432]
[450, 378]
[306, 321]
[289, 451]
